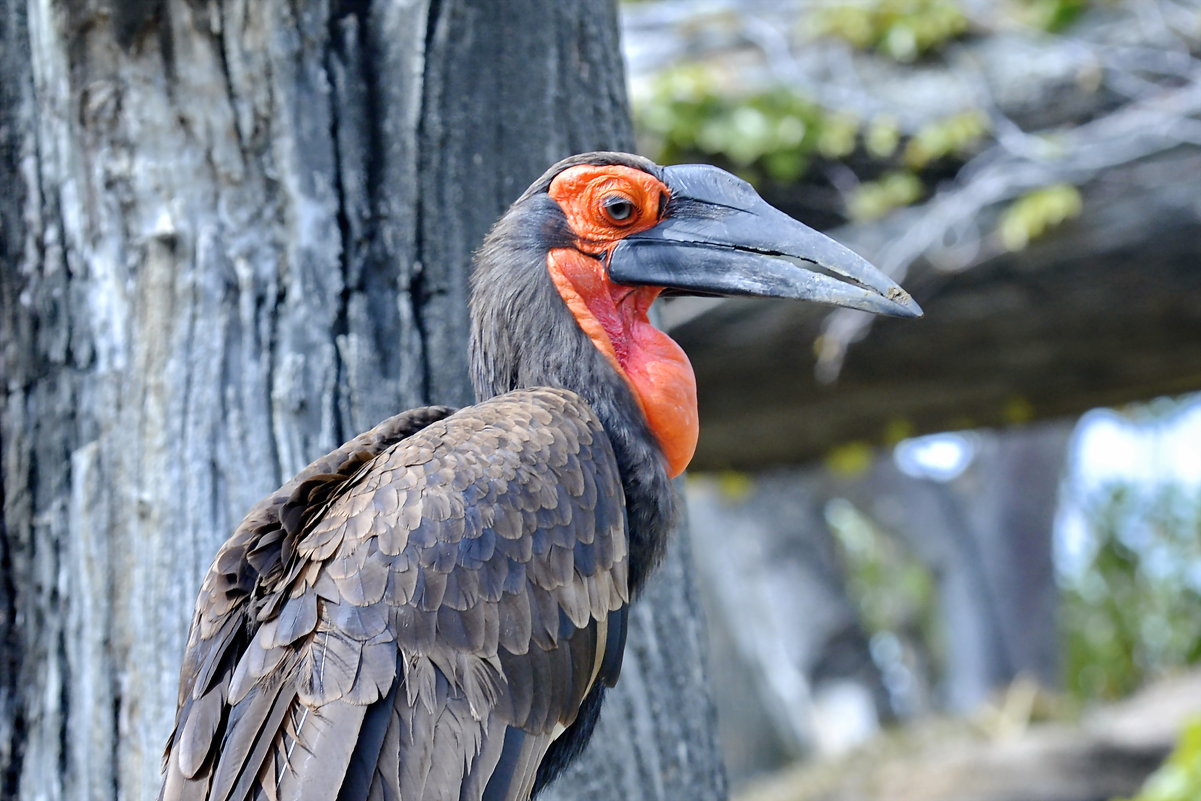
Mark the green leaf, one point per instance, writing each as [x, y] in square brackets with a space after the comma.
[1037, 212]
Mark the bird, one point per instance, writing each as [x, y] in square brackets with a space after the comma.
[435, 610]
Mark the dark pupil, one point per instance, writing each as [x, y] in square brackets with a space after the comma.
[619, 208]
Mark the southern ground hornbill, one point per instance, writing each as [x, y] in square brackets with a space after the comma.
[433, 611]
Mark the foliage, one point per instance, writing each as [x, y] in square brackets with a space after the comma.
[953, 136]
[1134, 607]
[1048, 15]
[903, 30]
[882, 137]
[736, 103]
[893, 588]
[1035, 213]
[850, 459]
[874, 199]
[774, 133]
[1178, 779]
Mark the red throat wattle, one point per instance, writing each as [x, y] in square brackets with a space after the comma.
[615, 319]
[614, 316]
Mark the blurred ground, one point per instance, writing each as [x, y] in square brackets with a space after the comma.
[1001, 755]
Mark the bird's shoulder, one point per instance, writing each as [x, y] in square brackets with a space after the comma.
[254, 555]
[506, 453]
[509, 510]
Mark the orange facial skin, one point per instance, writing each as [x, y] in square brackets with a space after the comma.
[615, 316]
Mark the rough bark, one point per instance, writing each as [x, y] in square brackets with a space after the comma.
[235, 234]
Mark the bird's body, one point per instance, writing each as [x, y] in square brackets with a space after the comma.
[433, 611]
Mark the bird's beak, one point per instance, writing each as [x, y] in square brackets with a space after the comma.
[719, 237]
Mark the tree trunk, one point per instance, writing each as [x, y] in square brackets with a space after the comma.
[234, 234]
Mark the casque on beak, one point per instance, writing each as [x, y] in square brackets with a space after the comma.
[718, 237]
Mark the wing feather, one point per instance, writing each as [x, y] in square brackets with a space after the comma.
[319, 756]
[419, 616]
[252, 728]
[248, 563]
[365, 761]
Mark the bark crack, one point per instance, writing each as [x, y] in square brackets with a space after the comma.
[11, 750]
[343, 402]
[419, 290]
[219, 36]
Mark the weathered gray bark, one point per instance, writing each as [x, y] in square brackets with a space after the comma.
[235, 234]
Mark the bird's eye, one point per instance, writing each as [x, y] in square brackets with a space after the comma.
[619, 208]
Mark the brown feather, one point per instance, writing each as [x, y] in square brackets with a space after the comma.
[316, 762]
[463, 576]
[196, 738]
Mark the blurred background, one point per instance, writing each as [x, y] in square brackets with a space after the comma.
[951, 559]
[1011, 610]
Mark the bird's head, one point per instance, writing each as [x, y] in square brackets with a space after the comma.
[614, 231]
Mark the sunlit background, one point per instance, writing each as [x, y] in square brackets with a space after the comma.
[1011, 610]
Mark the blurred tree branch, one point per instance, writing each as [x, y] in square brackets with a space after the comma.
[1053, 240]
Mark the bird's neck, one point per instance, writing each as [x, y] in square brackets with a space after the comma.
[523, 335]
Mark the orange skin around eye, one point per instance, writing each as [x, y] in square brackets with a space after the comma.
[615, 316]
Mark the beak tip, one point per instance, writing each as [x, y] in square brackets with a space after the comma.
[903, 303]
